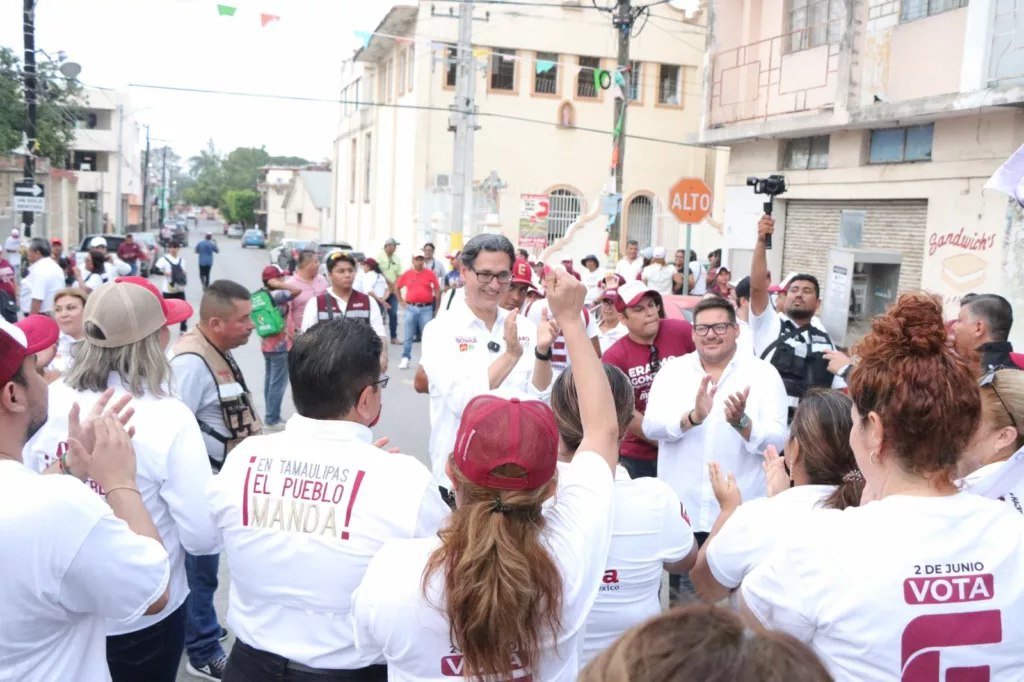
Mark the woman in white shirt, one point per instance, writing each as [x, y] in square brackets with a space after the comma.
[504, 591]
[921, 577]
[658, 275]
[68, 306]
[999, 436]
[823, 474]
[373, 284]
[611, 328]
[94, 273]
[592, 278]
[650, 531]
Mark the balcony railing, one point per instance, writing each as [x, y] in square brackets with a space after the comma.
[768, 78]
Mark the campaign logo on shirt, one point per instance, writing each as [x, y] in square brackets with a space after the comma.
[454, 665]
[610, 581]
[294, 496]
[62, 449]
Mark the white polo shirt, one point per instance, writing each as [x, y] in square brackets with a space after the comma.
[45, 279]
[172, 470]
[648, 531]
[301, 514]
[310, 315]
[69, 565]
[559, 354]
[607, 339]
[390, 612]
[903, 588]
[630, 270]
[456, 358]
[683, 458]
[758, 527]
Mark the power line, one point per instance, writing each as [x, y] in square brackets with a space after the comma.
[413, 107]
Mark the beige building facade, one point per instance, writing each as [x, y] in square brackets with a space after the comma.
[545, 130]
[887, 117]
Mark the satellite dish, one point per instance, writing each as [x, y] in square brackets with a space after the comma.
[689, 7]
[70, 70]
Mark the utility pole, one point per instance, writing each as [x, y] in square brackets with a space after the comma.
[29, 25]
[118, 213]
[163, 191]
[145, 183]
[622, 19]
[464, 124]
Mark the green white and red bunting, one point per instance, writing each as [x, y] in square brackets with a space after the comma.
[230, 11]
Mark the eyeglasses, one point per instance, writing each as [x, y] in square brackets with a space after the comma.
[488, 277]
[989, 379]
[655, 359]
[719, 328]
[382, 382]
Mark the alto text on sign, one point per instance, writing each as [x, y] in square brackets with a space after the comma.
[690, 200]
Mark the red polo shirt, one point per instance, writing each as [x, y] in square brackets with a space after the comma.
[420, 285]
[129, 252]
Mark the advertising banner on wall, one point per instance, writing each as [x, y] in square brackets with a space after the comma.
[533, 222]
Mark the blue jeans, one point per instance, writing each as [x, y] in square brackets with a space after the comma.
[416, 318]
[393, 316]
[202, 631]
[275, 381]
[135, 267]
[150, 654]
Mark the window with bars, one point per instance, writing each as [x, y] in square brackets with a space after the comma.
[807, 153]
[545, 79]
[564, 209]
[636, 93]
[919, 9]
[810, 23]
[900, 145]
[585, 78]
[503, 69]
[640, 220]
[451, 66]
[670, 85]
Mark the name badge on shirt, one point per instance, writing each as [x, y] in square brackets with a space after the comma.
[294, 496]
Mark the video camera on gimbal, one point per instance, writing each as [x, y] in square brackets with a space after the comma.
[773, 186]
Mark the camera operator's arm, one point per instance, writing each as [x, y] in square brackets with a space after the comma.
[759, 268]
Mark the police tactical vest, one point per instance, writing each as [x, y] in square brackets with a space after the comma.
[358, 307]
[236, 403]
[799, 357]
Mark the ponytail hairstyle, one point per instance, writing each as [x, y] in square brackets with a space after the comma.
[503, 589]
[565, 404]
[821, 426]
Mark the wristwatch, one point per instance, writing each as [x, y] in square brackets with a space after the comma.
[743, 423]
[546, 357]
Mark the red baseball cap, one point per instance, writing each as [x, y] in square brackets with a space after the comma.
[272, 271]
[24, 339]
[495, 431]
[631, 293]
[522, 273]
[1017, 359]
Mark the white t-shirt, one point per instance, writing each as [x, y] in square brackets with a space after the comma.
[1014, 497]
[69, 565]
[758, 527]
[700, 279]
[559, 355]
[648, 531]
[629, 269]
[301, 514]
[902, 588]
[659, 278]
[95, 280]
[45, 278]
[163, 266]
[608, 338]
[373, 281]
[310, 314]
[62, 359]
[390, 611]
[12, 251]
[172, 470]
[592, 280]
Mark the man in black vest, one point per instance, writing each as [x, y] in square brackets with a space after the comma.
[791, 339]
[984, 326]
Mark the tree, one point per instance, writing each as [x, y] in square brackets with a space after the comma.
[60, 105]
[240, 206]
[207, 177]
[288, 161]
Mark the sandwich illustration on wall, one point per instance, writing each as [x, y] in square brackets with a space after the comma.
[964, 271]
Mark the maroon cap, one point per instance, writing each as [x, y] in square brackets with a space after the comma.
[522, 273]
[495, 431]
[19, 341]
[272, 271]
[631, 293]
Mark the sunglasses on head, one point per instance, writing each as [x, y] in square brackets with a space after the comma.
[989, 379]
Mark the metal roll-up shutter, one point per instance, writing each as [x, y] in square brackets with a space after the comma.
[812, 229]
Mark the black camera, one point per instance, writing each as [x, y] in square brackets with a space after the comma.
[773, 186]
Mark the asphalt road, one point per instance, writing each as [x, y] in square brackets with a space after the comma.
[405, 418]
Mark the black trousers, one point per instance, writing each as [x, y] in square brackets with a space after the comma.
[249, 664]
[204, 275]
[151, 654]
[179, 295]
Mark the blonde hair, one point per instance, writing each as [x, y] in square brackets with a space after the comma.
[142, 366]
[74, 292]
[1002, 402]
[502, 588]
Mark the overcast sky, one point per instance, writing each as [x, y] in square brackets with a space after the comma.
[184, 43]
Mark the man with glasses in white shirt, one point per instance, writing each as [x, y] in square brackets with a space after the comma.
[478, 347]
[715, 405]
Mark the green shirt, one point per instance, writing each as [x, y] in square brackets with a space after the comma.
[390, 267]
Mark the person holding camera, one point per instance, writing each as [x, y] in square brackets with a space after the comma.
[791, 339]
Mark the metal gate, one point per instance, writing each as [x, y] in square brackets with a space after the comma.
[564, 210]
[640, 220]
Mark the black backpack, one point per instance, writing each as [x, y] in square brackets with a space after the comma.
[8, 307]
[178, 276]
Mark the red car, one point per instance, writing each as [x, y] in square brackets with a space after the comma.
[680, 307]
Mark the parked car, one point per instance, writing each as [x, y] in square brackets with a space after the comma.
[148, 240]
[235, 231]
[680, 307]
[326, 250]
[113, 241]
[288, 253]
[254, 237]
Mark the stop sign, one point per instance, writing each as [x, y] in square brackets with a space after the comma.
[690, 200]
